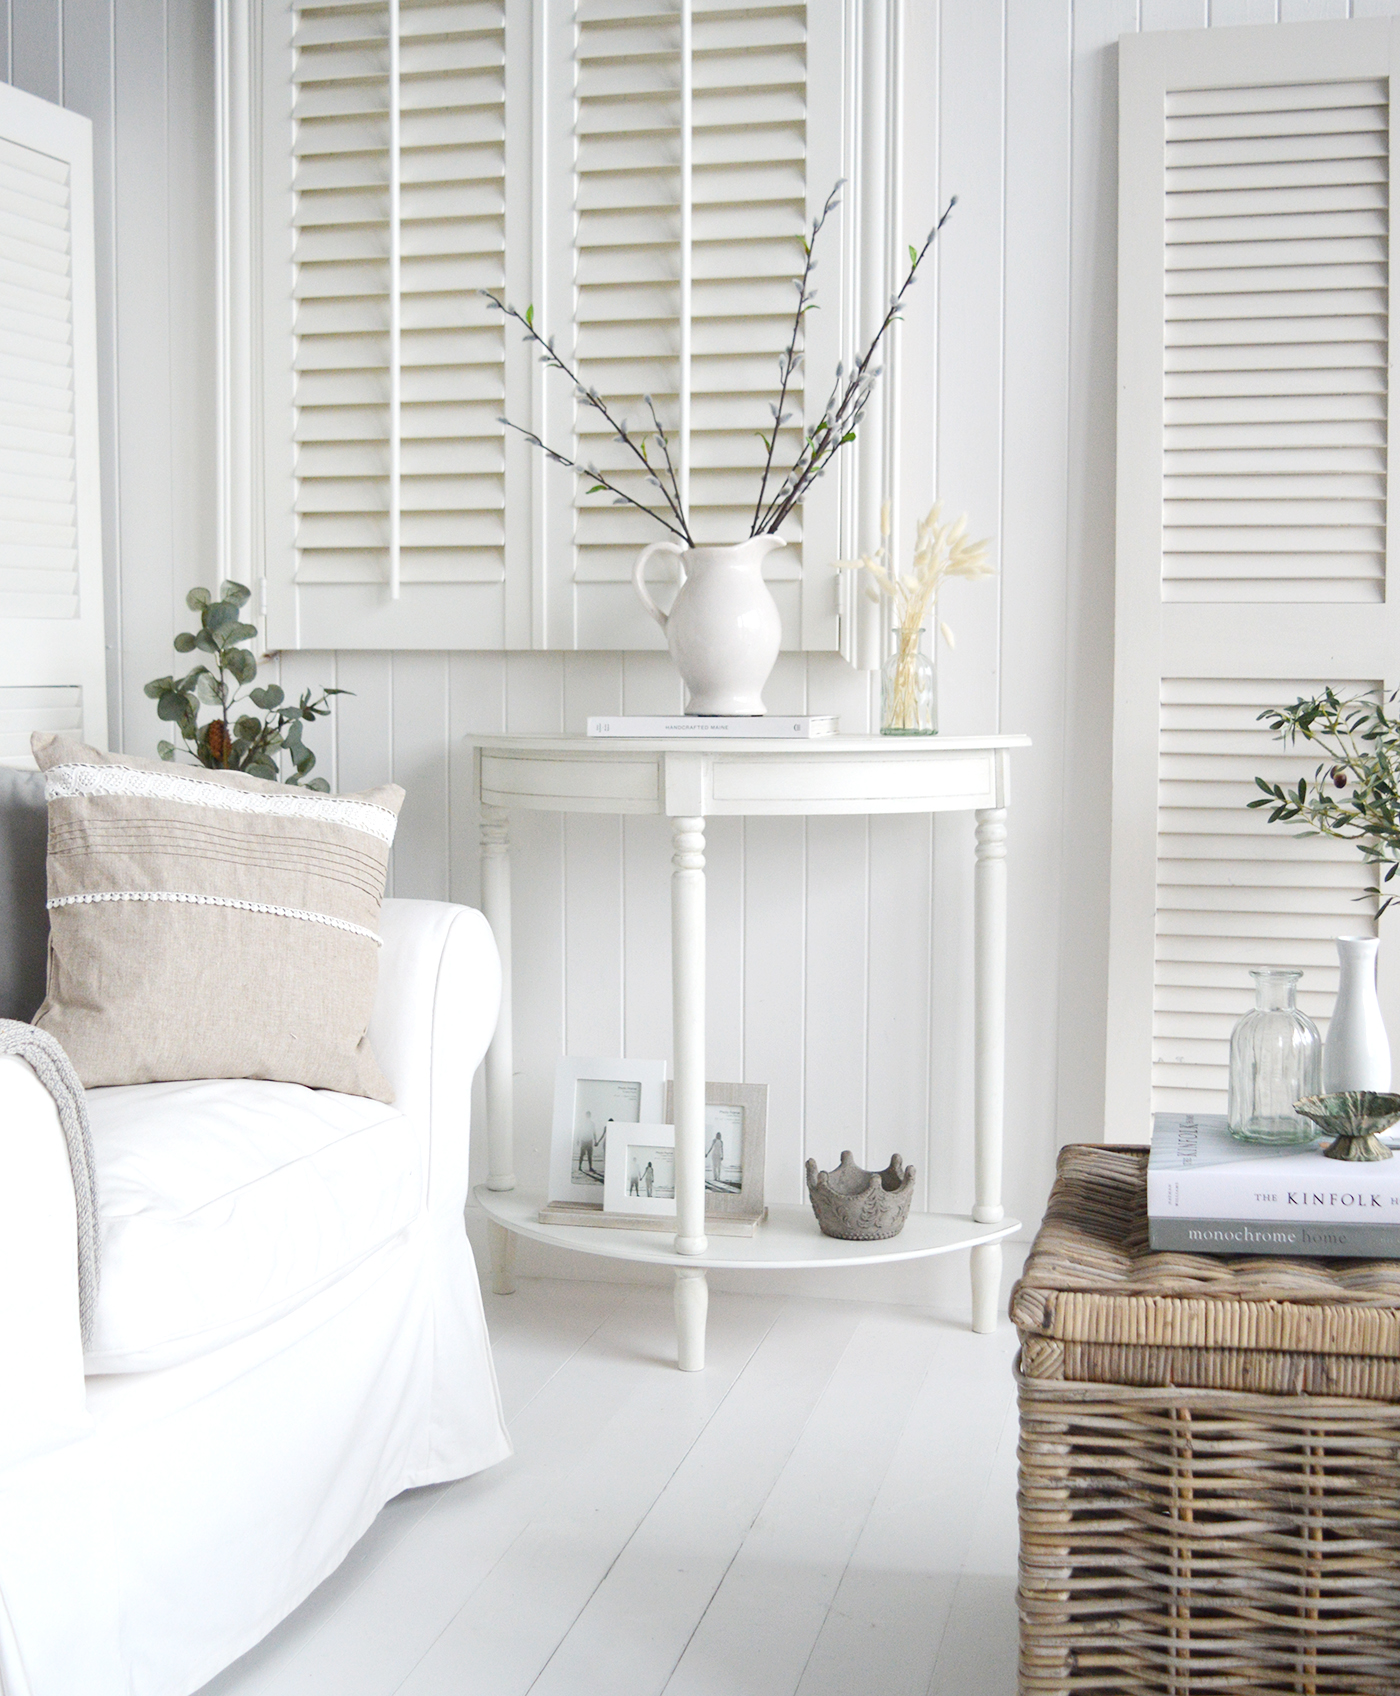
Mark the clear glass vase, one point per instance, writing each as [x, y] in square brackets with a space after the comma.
[908, 699]
[1275, 1060]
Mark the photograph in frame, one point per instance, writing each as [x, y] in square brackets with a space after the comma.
[736, 1122]
[591, 1097]
[641, 1177]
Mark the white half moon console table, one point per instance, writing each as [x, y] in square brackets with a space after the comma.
[688, 781]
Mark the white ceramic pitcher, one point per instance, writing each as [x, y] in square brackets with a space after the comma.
[723, 628]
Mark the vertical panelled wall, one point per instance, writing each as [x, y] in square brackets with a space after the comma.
[143, 72]
[840, 949]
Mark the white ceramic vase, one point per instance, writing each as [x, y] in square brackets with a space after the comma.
[1356, 1054]
[723, 628]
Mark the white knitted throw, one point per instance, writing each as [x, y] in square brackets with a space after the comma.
[55, 1071]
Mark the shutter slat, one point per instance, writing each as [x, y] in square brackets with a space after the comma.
[749, 212]
[1234, 892]
[1259, 363]
[452, 96]
[38, 450]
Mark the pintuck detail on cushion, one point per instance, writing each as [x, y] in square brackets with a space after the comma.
[210, 924]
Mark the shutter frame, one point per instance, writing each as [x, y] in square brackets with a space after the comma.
[1157, 637]
[52, 636]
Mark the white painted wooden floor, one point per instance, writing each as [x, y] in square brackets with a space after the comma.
[827, 1510]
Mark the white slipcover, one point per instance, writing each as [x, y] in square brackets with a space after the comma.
[225, 1204]
[155, 1523]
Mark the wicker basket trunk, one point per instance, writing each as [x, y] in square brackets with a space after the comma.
[1210, 1459]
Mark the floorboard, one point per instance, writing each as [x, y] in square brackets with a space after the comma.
[828, 1509]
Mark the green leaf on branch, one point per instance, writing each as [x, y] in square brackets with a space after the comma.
[241, 664]
[269, 696]
[166, 750]
[197, 600]
[237, 594]
[184, 642]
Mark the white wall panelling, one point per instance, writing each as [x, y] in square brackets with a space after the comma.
[821, 949]
[143, 72]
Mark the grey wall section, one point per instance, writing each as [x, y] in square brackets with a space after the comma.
[143, 72]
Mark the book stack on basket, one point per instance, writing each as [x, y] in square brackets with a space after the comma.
[1208, 1193]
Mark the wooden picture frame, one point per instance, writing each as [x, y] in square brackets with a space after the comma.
[589, 1095]
[724, 1197]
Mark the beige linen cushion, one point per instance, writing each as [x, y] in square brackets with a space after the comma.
[207, 924]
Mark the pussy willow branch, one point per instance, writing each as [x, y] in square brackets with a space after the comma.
[592, 398]
[844, 407]
[790, 358]
[598, 478]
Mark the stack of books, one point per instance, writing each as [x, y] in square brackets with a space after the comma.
[1208, 1194]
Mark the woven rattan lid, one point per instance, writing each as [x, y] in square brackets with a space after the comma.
[1092, 1278]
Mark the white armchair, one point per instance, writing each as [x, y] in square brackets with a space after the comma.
[289, 1332]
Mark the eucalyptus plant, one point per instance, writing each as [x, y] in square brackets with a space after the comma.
[650, 448]
[232, 740]
[1354, 793]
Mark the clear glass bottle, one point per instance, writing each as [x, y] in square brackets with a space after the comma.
[1275, 1060]
[908, 698]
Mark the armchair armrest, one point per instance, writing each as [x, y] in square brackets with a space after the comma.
[40, 1332]
[434, 1015]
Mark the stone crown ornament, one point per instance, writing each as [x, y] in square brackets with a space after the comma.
[861, 1206]
[1354, 1117]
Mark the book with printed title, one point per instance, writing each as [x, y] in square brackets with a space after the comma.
[1209, 1194]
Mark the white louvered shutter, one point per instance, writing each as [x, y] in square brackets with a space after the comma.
[1253, 541]
[539, 152]
[750, 210]
[397, 378]
[52, 653]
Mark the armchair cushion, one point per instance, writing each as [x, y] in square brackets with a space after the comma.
[226, 1204]
[166, 885]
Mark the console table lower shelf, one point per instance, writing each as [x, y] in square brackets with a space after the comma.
[789, 1240]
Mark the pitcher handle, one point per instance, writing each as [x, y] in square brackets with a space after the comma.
[639, 574]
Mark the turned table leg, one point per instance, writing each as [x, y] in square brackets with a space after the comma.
[692, 1304]
[989, 1018]
[688, 1019]
[500, 1081]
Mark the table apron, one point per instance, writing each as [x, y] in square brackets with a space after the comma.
[690, 783]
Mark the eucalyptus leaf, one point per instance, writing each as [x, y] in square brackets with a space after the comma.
[248, 728]
[218, 614]
[325, 788]
[206, 643]
[197, 600]
[208, 689]
[158, 686]
[172, 706]
[184, 642]
[241, 664]
[166, 750]
[269, 696]
[236, 593]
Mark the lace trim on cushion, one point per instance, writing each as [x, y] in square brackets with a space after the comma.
[212, 901]
[63, 782]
